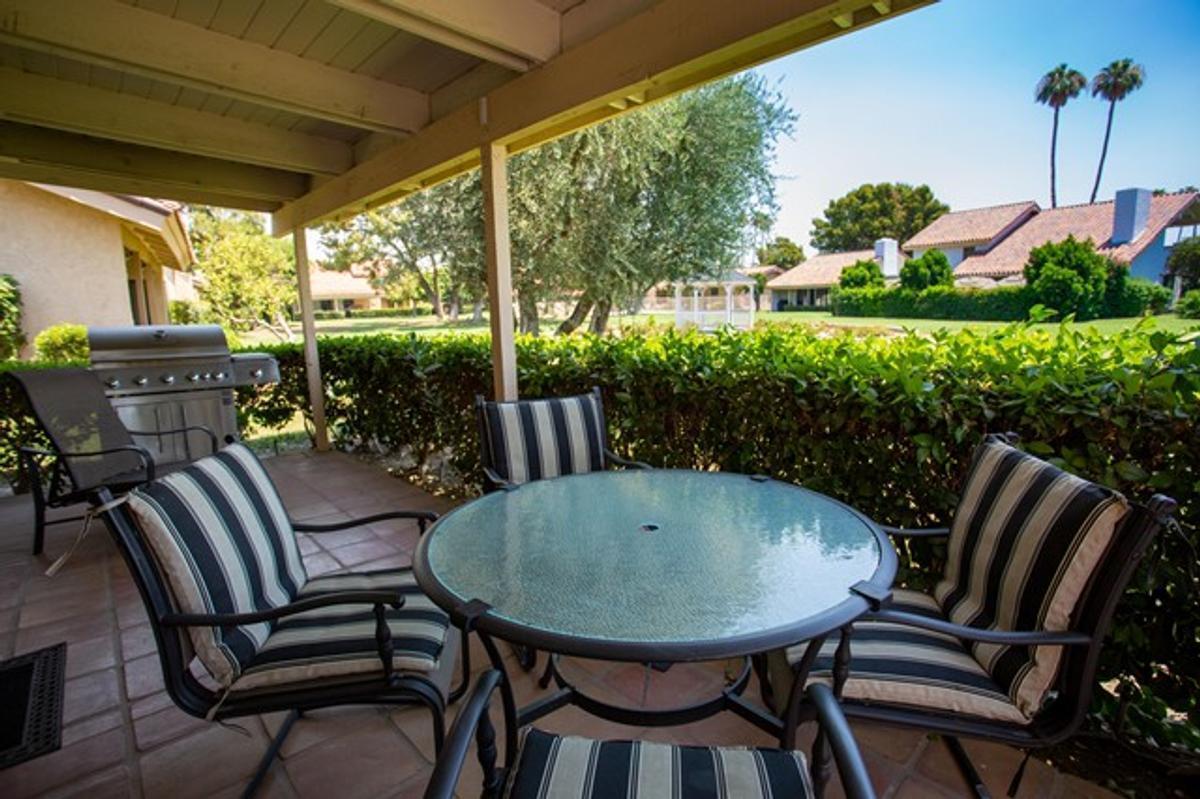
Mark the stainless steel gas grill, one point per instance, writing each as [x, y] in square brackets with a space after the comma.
[166, 377]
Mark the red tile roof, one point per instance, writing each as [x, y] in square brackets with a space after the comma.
[974, 226]
[1081, 221]
[820, 271]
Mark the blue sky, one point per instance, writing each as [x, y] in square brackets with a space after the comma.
[944, 95]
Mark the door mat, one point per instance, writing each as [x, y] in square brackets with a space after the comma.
[31, 693]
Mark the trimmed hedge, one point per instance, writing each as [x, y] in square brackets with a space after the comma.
[375, 313]
[1001, 304]
[886, 424]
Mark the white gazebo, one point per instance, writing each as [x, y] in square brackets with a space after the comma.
[712, 303]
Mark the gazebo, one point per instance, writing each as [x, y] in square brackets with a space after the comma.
[318, 110]
[713, 303]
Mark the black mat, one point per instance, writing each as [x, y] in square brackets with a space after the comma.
[31, 694]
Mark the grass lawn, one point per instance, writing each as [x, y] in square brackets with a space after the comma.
[430, 326]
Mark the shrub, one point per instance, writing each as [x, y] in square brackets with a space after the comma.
[11, 335]
[1189, 305]
[861, 274]
[1069, 276]
[1126, 296]
[65, 342]
[931, 269]
[1003, 304]
[185, 312]
[1184, 261]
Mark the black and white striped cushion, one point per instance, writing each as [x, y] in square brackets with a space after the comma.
[566, 767]
[225, 545]
[1025, 540]
[898, 664]
[535, 439]
[339, 641]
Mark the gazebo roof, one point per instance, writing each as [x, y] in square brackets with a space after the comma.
[318, 109]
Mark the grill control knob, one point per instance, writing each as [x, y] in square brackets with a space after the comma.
[193, 377]
[140, 380]
[206, 376]
[256, 374]
[112, 382]
[168, 379]
[219, 375]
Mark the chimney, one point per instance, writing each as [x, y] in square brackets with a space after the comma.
[887, 253]
[1131, 212]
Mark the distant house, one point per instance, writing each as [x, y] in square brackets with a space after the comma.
[990, 246]
[807, 285]
[351, 290]
[92, 258]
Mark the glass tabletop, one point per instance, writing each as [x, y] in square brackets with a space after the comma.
[654, 557]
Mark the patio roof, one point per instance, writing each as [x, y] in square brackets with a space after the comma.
[320, 109]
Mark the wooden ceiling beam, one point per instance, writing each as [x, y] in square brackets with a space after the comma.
[156, 46]
[672, 46]
[75, 107]
[28, 152]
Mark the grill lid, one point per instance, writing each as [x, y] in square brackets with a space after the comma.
[153, 342]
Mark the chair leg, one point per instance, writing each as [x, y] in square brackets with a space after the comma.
[966, 767]
[527, 656]
[39, 503]
[268, 758]
[457, 692]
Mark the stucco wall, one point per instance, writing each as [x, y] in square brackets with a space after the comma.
[1152, 263]
[67, 258]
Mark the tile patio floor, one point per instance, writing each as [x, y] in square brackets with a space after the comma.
[123, 737]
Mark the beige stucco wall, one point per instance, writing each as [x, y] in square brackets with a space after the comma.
[68, 260]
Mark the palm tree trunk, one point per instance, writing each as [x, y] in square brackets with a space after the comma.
[1053, 153]
[1112, 104]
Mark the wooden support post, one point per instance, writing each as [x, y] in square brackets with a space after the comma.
[494, 160]
[312, 360]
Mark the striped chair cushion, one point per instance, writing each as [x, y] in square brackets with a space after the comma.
[225, 545]
[339, 641]
[1025, 540]
[900, 665]
[535, 439]
[562, 767]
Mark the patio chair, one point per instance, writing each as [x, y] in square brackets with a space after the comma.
[91, 447]
[240, 626]
[563, 766]
[530, 440]
[1006, 646]
[526, 440]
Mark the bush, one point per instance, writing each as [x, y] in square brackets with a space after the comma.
[1184, 262]
[185, 312]
[931, 269]
[886, 424]
[11, 335]
[1003, 304]
[1189, 305]
[1069, 276]
[1126, 296]
[861, 274]
[65, 342]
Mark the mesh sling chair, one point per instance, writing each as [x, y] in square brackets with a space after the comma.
[91, 448]
[1006, 647]
[559, 766]
[526, 440]
[241, 628]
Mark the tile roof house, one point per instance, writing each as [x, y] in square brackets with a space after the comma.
[807, 285]
[993, 244]
[334, 290]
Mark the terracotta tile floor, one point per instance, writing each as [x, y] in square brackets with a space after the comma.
[123, 736]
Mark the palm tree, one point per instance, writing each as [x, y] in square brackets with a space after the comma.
[1054, 89]
[1114, 83]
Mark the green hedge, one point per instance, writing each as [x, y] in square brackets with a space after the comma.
[887, 424]
[376, 313]
[1001, 304]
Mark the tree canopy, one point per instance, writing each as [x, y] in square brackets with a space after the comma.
[861, 274]
[875, 211]
[782, 251]
[249, 276]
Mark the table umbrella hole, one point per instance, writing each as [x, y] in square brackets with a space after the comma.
[648, 527]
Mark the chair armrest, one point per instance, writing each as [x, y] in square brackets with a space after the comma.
[423, 517]
[856, 780]
[1015, 637]
[905, 532]
[628, 464]
[141, 452]
[393, 598]
[495, 479]
[212, 437]
[450, 762]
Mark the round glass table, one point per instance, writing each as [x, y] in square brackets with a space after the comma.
[654, 566]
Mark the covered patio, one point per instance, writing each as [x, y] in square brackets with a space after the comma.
[123, 736]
